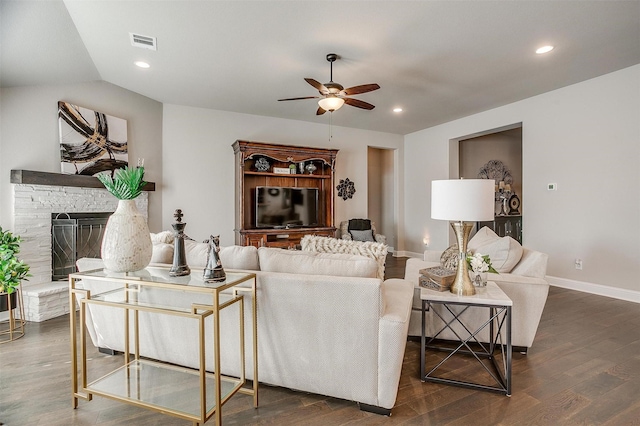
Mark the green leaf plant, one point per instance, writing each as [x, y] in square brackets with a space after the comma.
[12, 270]
[127, 183]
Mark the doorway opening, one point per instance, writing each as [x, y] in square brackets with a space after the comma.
[381, 192]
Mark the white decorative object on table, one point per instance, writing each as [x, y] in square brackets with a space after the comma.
[126, 244]
[480, 265]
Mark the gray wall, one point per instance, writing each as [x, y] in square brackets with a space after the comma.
[199, 165]
[29, 133]
[585, 138]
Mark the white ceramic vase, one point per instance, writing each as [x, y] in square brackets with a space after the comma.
[126, 244]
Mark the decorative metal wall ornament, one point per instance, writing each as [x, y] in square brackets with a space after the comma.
[262, 165]
[346, 189]
[496, 170]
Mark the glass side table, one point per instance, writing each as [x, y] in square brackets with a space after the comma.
[192, 394]
[498, 321]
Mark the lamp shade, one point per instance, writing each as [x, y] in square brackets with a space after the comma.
[331, 103]
[465, 200]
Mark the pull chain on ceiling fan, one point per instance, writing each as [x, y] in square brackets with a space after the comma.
[334, 95]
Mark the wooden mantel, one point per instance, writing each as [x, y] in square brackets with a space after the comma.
[30, 177]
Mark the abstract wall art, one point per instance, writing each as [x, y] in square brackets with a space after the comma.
[90, 141]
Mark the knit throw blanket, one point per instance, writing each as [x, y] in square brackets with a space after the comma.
[376, 251]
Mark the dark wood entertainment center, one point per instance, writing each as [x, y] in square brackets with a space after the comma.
[250, 175]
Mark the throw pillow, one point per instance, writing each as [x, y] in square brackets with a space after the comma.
[483, 237]
[504, 252]
[359, 224]
[162, 237]
[449, 258]
[162, 253]
[362, 235]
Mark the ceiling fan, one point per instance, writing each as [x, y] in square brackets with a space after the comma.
[334, 95]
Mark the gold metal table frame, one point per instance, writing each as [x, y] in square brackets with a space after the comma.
[148, 383]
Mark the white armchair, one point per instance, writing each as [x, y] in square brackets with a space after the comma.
[523, 281]
[361, 230]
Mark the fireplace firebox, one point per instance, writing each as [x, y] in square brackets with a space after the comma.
[74, 236]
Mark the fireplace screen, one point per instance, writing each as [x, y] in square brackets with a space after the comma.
[74, 236]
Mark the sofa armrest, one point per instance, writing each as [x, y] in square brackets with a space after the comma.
[432, 255]
[412, 269]
[532, 264]
[394, 326]
[529, 296]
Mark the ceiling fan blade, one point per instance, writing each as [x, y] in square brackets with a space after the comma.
[358, 103]
[364, 88]
[320, 111]
[297, 99]
[319, 86]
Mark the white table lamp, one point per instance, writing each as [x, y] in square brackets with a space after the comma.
[462, 202]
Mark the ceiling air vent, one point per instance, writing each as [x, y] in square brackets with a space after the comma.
[143, 41]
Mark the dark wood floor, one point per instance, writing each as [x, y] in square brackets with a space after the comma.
[584, 369]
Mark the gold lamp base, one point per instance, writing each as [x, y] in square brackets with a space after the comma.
[462, 285]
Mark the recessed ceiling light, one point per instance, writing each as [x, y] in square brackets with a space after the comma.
[544, 49]
[397, 110]
[142, 64]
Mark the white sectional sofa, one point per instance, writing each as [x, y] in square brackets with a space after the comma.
[521, 277]
[326, 324]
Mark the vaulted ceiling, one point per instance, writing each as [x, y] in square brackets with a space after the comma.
[437, 60]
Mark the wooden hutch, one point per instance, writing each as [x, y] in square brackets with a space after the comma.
[270, 158]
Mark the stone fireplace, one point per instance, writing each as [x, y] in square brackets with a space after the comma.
[36, 199]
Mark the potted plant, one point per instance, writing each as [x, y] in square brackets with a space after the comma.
[12, 270]
[126, 244]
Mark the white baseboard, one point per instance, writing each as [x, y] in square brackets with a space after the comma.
[599, 289]
[404, 253]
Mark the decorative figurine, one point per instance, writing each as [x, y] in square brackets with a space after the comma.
[213, 272]
[311, 168]
[180, 267]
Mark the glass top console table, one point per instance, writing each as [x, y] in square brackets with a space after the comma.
[192, 394]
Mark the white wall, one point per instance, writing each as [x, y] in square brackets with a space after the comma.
[198, 172]
[585, 138]
[29, 133]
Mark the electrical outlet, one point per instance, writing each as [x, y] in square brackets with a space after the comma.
[552, 187]
[579, 264]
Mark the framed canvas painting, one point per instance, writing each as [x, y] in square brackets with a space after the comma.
[90, 141]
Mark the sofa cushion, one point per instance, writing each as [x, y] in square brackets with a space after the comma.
[240, 257]
[366, 235]
[162, 253]
[231, 257]
[312, 263]
[504, 252]
[196, 254]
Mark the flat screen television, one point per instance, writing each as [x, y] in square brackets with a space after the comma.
[280, 207]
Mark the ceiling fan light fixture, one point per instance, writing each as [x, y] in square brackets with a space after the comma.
[331, 103]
